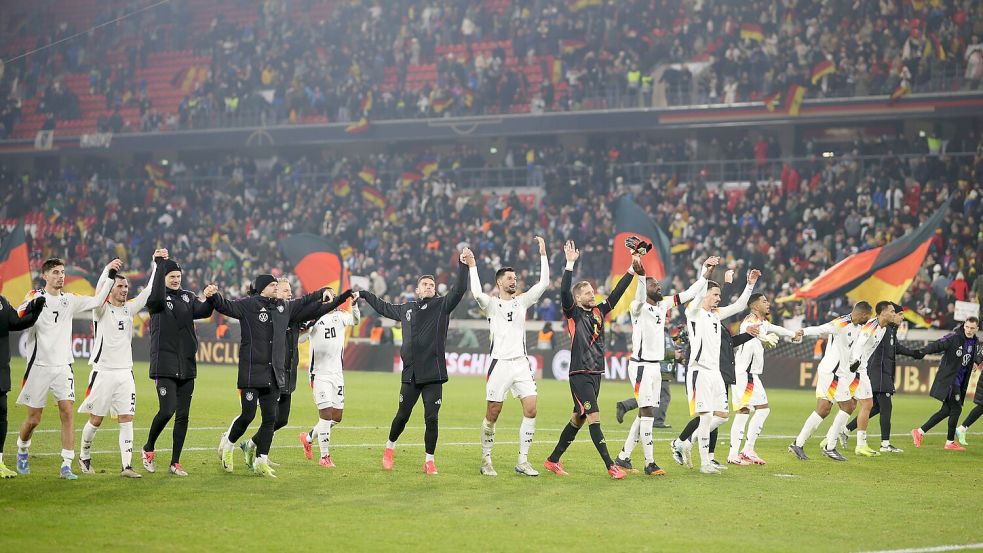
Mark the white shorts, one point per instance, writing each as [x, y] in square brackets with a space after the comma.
[836, 388]
[506, 375]
[748, 391]
[707, 391]
[329, 391]
[861, 388]
[39, 380]
[646, 382]
[110, 392]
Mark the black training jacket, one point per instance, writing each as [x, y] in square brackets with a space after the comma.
[881, 365]
[953, 349]
[173, 341]
[9, 321]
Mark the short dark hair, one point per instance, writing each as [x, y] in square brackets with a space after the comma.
[501, 272]
[51, 263]
[424, 277]
[972, 320]
[712, 284]
[863, 306]
[882, 305]
[755, 297]
[119, 276]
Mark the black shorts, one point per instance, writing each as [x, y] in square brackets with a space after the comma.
[585, 388]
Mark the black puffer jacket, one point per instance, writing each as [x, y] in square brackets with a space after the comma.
[10, 321]
[173, 341]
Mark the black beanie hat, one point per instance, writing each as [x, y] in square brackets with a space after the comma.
[170, 266]
[262, 281]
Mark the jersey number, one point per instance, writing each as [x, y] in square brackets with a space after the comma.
[120, 325]
[510, 316]
[341, 390]
[330, 333]
[56, 316]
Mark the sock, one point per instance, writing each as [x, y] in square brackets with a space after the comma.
[885, 443]
[962, 428]
[737, 433]
[323, 428]
[754, 430]
[226, 444]
[311, 433]
[88, 434]
[1, 458]
[262, 459]
[390, 444]
[949, 442]
[716, 422]
[597, 436]
[645, 436]
[126, 443]
[527, 430]
[487, 438]
[631, 440]
[429, 457]
[703, 438]
[67, 456]
[23, 447]
[567, 436]
[861, 438]
[833, 434]
[810, 426]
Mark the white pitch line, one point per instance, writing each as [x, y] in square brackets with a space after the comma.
[965, 547]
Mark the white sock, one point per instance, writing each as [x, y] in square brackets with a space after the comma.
[631, 440]
[226, 444]
[23, 447]
[703, 438]
[810, 426]
[263, 459]
[487, 438]
[88, 434]
[390, 445]
[754, 429]
[833, 434]
[527, 430]
[737, 432]
[126, 443]
[429, 457]
[716, 422]
[962, 428]
[323, 431]
[67, 456]
[861, 438]
[645, 436]
[949, 442]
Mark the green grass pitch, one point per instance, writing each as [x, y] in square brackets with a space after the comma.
[925, 497]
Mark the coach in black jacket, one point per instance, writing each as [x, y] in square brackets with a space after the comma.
[960, 350]
[425, 322]
[263, 321]
[11, 320]
[173, 347]
[880, 368]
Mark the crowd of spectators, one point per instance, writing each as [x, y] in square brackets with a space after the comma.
[224, 219]
[282, 66]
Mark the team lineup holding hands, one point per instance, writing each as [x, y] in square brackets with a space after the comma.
[724, 371]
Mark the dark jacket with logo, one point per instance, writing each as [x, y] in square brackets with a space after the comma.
[953, 349]
[425, 324]
[881, 365]
[10, 321]
[173, 342]
[263, 328]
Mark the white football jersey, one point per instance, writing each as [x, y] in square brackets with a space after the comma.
[49, 341]
[507, 318]
[750, 356]
[867, 341]
[704, 330]
[648, 321]
[113, 330]
[842, 333]
[327, 337]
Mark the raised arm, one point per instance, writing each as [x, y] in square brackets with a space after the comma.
[741, 303]
[140, 301]
[571, 253]
[699, 287]
[456, 294]
[383, 308]
[480, 296]
[231, 309]
[619, 290]
[314, 311]
[767, 326]
[14, 321]
[155, 302]
[537, 290]
[88, 303]
[640, 294]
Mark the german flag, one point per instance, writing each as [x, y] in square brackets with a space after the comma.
[158, 176]
[933, 46]
[15, 271]
[341, 187]
[427, 167]
[366, 105]
[368, 175]
[79, 282]
[556, 72]
[771, 100]
[899, 92]
[879, 274]
[821, 69]
[468, 97]
[409, 177]
[752, 31]
[317, 262]
[372, 195]
[572, 45]
[631, 220]
[441, 104]
[358, 127]
[795, 95]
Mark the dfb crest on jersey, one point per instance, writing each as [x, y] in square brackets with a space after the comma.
[162, 391]
[170, 305]
[249, 396]
[263, 317]
[279, 308]
[64, 301]
[959, 352]
[185, 298]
